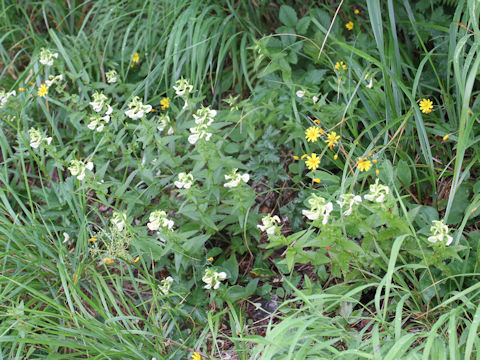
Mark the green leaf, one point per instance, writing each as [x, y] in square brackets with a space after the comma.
[288, 16]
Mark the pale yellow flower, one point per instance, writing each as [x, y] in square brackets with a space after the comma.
[312, 134]
[426, 106]
[312, 162]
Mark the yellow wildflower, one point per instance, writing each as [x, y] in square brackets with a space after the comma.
[332, 139]
[316, 180]
[357, 11]
[364, 165]
[295, 157]
[335, 157]
[349, 25]
[312, 162]
[316, 121]
[92, 239]
[42, 90]
[165, 103]
[196, 356]
[312, 134]
[375, 161]
[304, 156]
[340, 65]
[135, 59]
[446, 137]
[21, 89]
[108, 261]
[426, 106]
[377, 171]
[136, 259]
[210, 259]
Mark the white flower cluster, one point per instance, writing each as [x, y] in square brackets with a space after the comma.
[119, 220]
[269, 224]
[4, 95]
[158, 219]
[99, 104]
[111, 76]
[439, 232]
[165, 285]
[203, 119]
[46, 57]
[184, 181]
[235, 179]
[213, 279]
[77, 168]
[378, 192]
[349, 200]
[136, 109]
[37, 139]
[182, 87]
[54, 80]
[318, 208]
[164, 121]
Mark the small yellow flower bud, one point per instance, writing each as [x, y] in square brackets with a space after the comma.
[335, 157]
[21, 89]
[357, 11]
[377, 171]
[375, 161]
[317, 180]
[108, 261]
[136, 259]
[446, 137]
[304, 156]
[92, 239]
[210, 259]
[295, 157]
[370, 154]
[316, 121]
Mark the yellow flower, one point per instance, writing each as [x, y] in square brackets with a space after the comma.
[335, 157]
[108, 261]
[332, 139]
[295, 157]
[312, 162]
[340, 65]
[92, 239]
[375, 161]
[426, 106]
[446, 137]
[316, 121]
[210, 259]
[357, 11]
[165, 103]
[364, 165]
[21, 89]
[304, 156]
[349, 25]
[312, 134]
[136, 259]
[196, 356]
[42, 90]
[316, 180]
[377, 171]
[135, 59]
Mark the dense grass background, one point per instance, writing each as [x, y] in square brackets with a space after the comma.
[58, 302]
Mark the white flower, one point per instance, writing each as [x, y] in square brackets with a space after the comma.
[99, 100]
[184, 181]
[137, 109]
[111, 76]
[269, 224]
[199, 132]
[5, 95]
[165, 285]
[119, 219]
[158, 219]
[377, 192]
[54, 80]
[98, 122]
[66, 237]
[46, 57]
[164, 121]
[77, 168]
[300, 93]
[370, 84]
[36, 138]
[213, 279]
[349, 200]
[204, 115]
[315, 99]
[318, 208]
[235, 179]
[182, 87]
[439, 232]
